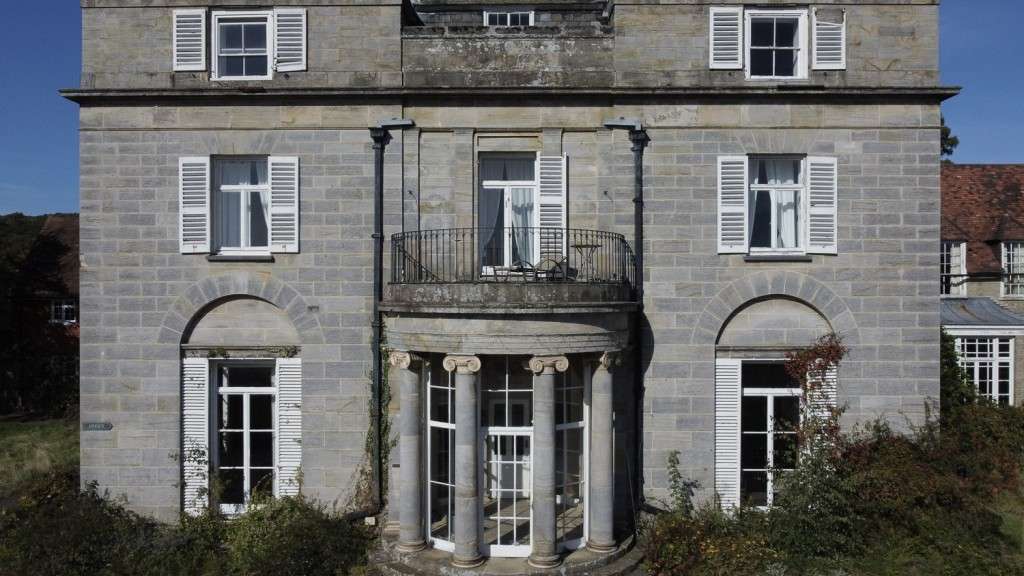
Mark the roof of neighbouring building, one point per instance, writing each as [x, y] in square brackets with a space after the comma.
[51, 267]
[983, 204]
[977, 311]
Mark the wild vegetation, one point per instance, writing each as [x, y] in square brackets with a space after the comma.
[945, 498]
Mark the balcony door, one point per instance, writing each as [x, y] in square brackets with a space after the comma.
[507, 211]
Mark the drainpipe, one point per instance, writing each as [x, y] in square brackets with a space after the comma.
[639, 138]
[381, 135]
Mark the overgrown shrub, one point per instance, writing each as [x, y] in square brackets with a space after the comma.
[56, 529]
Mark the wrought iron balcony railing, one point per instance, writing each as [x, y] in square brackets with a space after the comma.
[475, 255]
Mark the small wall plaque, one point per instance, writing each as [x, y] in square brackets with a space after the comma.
[97, 426]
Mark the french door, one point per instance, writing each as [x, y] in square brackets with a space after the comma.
[507, 485]
[508, 220]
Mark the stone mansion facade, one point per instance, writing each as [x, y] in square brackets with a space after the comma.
[550, 242]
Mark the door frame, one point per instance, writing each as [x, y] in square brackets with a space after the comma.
[503, 550]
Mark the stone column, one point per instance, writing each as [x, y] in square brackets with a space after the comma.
[544, 551]
[405, 370]
[601, 536]
[466, 524]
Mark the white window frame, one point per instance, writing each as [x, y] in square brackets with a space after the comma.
[566, 383]
[508, 14]
[246, 392]
[439, 543]
[1012, 250]
[771, 394]
[59, 311]
[506, 186]
[801, 188]
[245, 204]
[994, 360]
[957, 269]
[802, 34]
[215, 42]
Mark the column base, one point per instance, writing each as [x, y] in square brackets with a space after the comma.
[468, 562]
[601, 548]
[410, 547]
[544, 561]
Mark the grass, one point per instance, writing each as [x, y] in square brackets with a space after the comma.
[1011, 509]
[28, 447]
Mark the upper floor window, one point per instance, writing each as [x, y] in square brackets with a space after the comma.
[988, 364]
[241, 200]
[1013, 268]
[246, 45]
[777, 205]
[242, 43]
[777, 44]
[508, 18]
[952, 268]
[63, 311]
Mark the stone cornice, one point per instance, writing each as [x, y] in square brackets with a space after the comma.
[145, 96]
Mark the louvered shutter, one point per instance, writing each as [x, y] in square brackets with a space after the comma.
[552, 205]
[289, 39]
[823, 205]
[732, 205]
[195, 434]
[823, 397]
[284, 203]
[726, 34]
[194, 204]
[289, 425]
[189, 40]
[727, 431]
[829, 33]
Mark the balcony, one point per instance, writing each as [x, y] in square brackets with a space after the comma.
[517, 267]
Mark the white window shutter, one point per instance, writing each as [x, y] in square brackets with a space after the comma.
[823, 398]
[728, 390]
[823, 205]
[732, 205]
[552, 205]
[726, 34]
[195, 374]
[189, 40]
[829, 34]
[284, 203]
[289, 39]
[289, 425]
[194, 204]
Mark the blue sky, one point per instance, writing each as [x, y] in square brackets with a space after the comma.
[981, 51]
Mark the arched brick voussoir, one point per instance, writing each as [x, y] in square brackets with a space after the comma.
[786, 284]
[199, 296]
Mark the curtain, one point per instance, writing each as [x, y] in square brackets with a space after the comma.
[776, 171]
[522, 221]
[786, 202]
[228, 225]
[492, 216]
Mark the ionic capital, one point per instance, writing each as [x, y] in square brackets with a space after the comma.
[609, 360]
[402, 360]
[548, 364]
[461, 364]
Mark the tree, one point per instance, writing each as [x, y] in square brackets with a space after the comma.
[949, 142]
[954, 389]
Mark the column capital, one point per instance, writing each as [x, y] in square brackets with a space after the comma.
[461, 364]
[548, 364]
[403, 360]
[609, 360]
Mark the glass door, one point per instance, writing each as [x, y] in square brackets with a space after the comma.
[506, 503]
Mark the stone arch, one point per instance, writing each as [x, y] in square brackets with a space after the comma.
[207, 293]
[774, 321]
[241, 321]
[781, 284]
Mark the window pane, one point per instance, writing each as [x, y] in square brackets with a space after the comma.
[440, 512]
[231, 451]
[439, 454]
[249, 376]
[754, 451]
[520, 409]
[773, 171]
[785, 62]
[231, 66]
[754, 488]
[787, 412]
[785, 451]
[261, 483]
[439, 404]
[755, 414]
[492, 19]
[788, 218]
[231, 37]
[261, 412]
[228, 219]
[232, 486]
[229, 412]
[761, 63]
[761, 220]
[767, 375]
[785, 32]
[761, 32]
[255, 65]
[257, 220]
[255, 37]
[261, 448]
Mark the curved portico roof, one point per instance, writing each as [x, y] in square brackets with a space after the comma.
[976, 311]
